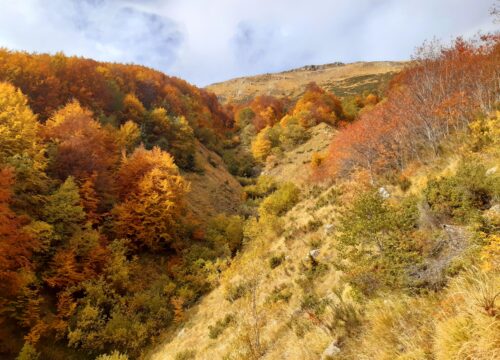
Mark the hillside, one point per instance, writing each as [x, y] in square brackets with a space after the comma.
[356, 218]
[295, 165]
[213, 189]
[341, 79]
[392, 254]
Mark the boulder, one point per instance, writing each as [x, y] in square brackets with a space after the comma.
[384, 193]
[330, 351]
[314, 253]
[495, 209]
[491, 171]
[328, 229]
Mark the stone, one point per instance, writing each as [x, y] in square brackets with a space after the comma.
[495, 209]
[491, 171]
[328, 229]
[314, 253]
[330, 351]
[384, 193]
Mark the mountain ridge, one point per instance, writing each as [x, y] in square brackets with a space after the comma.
[291, 83]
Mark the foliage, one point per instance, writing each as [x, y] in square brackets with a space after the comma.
[216, 330]
[226, 232]
[28, 352]
[262, 145]
[316, 105]
[376, 237]
[185, 355]
[464, 194]
[425, 104]
[153, 203]
[18, 125]
[115, 355]
[276, 261]
[282, 200]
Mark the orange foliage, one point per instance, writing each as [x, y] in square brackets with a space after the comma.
[439, 95]
[16, 246]
[268, 111]
[316, 106]
[50, 82]
[153, 199]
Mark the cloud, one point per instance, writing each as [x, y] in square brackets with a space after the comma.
[211, 40]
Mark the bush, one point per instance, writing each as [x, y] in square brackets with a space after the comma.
[225, 232]
[281, 200]
[461, 197]
[265, 185]
[280, 293]
[185, 355]
[234, 292]
[276, 261]
[28, 352]
[219, 327]
[377, 239]
[115, 355]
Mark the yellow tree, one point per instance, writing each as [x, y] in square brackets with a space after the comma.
[151, 215]
[18, 125]
[261, 146]
[128, 136]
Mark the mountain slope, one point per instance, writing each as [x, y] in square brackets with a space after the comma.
[342, 79]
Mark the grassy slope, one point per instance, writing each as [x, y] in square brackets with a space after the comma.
[213, 189]
[343, 80]
[295, 165]
[253, 261]
[280, 320]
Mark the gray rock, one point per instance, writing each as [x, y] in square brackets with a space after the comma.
[384, 193]
[495, 208]
[328, 229]
[314, 253]
[330, 351]
[491, 171]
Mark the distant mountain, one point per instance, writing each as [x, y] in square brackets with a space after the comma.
[342, 79]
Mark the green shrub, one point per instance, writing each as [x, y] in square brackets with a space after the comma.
[225, 232]
[186, 355]
[281, 200]
[461, 197]
[280, 293]
[265, 185]
[313, 225]
[236, 291]
[377, 239]
[28, 352]
[115, 355]
[276, 261]
[219, 327]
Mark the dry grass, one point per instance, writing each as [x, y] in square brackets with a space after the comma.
[295, 165]
[213, 189]
[341, 79]
[278, 337]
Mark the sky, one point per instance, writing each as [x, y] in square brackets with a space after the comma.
[206, 41]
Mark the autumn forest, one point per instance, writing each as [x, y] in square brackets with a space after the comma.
[385, 247]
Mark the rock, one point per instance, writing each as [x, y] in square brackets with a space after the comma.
[330, 351]
[314, 253]
[384, 193]
[491, 171]
[328, 229]
[495, 209]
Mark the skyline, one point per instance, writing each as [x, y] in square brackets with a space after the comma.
[207, 42]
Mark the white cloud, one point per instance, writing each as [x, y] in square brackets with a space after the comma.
[212, 40]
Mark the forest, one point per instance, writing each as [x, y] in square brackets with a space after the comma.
[100, 254]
